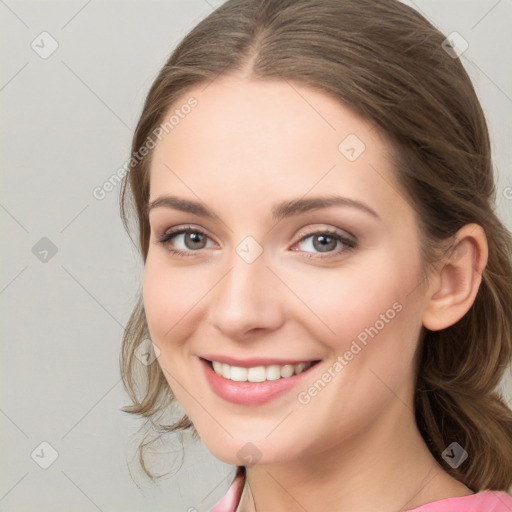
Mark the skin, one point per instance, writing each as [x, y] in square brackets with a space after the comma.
[355, 446]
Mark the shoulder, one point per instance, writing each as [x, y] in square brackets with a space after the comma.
[483, 501]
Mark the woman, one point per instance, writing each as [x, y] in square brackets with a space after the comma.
[326, 285]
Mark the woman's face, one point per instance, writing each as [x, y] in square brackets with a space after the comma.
[299, 248]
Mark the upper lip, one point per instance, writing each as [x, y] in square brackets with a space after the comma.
[254, 361]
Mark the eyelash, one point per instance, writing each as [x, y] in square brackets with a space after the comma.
[347, 243]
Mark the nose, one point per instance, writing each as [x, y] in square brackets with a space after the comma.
[246, 300]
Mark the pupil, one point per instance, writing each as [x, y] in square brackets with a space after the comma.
[326, 244]
[194, 241]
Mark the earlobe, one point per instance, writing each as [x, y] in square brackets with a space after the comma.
[457, 278]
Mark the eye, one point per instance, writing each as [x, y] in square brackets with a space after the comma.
[185, 240]
[325, 243]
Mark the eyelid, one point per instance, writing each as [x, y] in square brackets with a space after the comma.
[184, 228]
[170, 234]
[349, 242]
[342, 233]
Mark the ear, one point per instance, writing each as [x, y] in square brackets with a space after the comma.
[454, 284]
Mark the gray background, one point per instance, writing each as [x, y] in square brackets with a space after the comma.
[66, 126]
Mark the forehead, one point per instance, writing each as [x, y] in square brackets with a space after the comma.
[269, 139]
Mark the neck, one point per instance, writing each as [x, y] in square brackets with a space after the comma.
[386, 467]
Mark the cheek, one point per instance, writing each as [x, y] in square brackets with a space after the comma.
[158, 301]
[359, 300]
[172, 301]
[169, 297]
[370, 323]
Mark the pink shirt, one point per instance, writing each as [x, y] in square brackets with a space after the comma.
[483, 501]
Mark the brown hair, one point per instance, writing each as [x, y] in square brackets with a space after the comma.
[387, 63]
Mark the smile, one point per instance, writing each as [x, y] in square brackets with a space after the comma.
[253, 382]
[258, 373]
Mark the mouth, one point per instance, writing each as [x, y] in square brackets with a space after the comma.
[259, 373]
[253, 382]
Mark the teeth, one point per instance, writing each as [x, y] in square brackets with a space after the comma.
[273, 372]
[258, 373]
[287, 370]
[300, 368]
[238, 374]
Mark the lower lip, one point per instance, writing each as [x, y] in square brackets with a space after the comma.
[250, 393]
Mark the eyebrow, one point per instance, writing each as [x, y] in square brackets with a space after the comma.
[279, 211]
[184, 205]
[298, 206]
